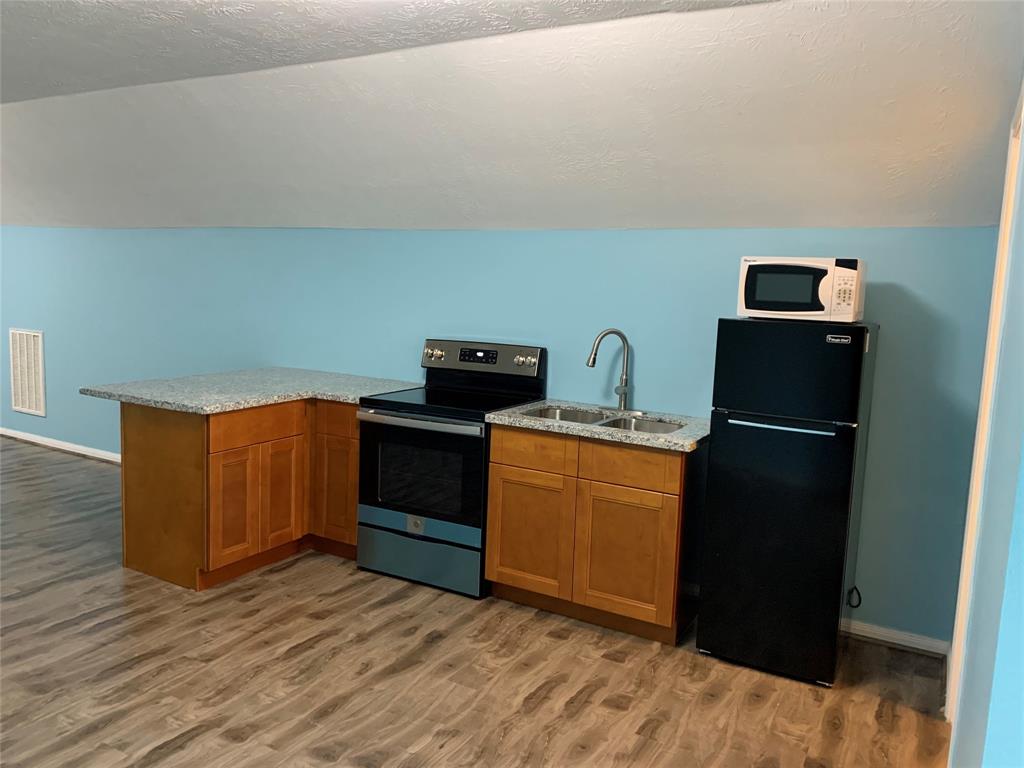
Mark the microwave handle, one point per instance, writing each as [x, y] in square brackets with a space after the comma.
[468, 429]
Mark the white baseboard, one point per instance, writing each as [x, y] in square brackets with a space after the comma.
[895, 637]
[49, 442]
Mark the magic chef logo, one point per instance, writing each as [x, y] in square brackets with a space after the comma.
[836, 339]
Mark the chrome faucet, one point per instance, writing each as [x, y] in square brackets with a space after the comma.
[623, 389]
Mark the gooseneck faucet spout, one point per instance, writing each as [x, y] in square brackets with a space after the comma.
[623, 389]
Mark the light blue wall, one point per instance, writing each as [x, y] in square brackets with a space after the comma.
[990, 720]
[126, 304]
[1004, 739]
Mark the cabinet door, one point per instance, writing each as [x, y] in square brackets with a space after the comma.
[627, 551]
[234, 505]
[336, 488]
[530, 529]
[281, 491]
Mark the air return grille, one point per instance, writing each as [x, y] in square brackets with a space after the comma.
[27, 392]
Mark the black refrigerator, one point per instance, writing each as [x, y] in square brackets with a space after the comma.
[789, 429]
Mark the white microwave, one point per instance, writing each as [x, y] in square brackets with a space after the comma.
[831, 290]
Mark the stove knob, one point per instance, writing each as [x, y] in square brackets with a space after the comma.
[518, 359]
[439, 354]
[428, 352]
[531, 361]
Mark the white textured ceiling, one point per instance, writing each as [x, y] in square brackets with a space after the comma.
[54, 47]
[779, 114]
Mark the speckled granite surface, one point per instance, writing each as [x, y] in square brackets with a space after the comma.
[692, 429]
[234, 390]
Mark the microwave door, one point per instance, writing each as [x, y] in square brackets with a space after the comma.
[786, 290]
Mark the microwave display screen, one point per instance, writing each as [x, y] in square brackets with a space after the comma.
[787, 287]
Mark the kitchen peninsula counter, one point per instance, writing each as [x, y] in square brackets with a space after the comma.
[224, 473]
[234, 390]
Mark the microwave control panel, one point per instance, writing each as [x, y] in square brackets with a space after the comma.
[844, 292]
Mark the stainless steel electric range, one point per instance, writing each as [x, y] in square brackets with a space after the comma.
[423, 456]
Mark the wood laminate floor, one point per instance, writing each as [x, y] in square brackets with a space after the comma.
[311, 662]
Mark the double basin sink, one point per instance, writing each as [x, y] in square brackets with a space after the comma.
[630, 421]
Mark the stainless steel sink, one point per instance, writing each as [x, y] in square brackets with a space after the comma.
[567, 414]
[634, 424]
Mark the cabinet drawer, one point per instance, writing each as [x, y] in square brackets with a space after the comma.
[633, 466]
[337, 419]
[530, 449]
[237, 429]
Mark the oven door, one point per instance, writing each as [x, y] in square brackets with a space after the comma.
[785, 290]
[422, 466]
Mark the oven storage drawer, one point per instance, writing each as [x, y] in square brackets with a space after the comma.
[428, 527]
[442, 565]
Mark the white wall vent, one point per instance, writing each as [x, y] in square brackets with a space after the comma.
[28, 394]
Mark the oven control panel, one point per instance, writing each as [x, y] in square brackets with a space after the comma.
[480, 357]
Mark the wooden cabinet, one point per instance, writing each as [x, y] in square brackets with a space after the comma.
[530, 530]
[335, 488]
[627, 551]
[335, 473]
[256, 499]
[289, 476]
[282, 490]
[234, 511]
[206, 498]
[591, 529]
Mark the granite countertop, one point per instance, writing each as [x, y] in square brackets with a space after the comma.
[692, 429]
[234, 390]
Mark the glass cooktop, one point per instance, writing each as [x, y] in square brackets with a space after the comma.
[437, 401]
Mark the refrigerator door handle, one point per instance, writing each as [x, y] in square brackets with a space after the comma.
[759, 425]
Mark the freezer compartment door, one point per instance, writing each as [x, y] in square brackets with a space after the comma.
[791, 368]
[777, 513]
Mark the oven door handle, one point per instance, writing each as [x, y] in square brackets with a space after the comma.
[469, 429]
